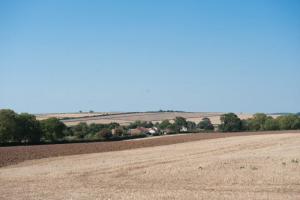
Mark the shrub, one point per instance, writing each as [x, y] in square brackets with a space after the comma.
[119, 131]
[80, 130]
[105, 133]
[205, 124]
[113, 125]
[139, 123]
[95, 128]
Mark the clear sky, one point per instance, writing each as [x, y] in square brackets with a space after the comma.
[135, 55]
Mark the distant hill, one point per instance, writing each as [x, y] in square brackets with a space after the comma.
[286, 113]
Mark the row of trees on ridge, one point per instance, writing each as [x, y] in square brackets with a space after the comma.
[25, 128]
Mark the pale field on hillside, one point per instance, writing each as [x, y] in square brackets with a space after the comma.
[69, 115]
[245, 167]
[125, 119]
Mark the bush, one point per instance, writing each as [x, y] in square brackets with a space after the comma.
[113, 125]
[205, 124]
[90, 136]
[119, 131]
[95, 128]
[80, 130]
[105, 133]
[139, 123]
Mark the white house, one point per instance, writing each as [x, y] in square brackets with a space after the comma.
[183, 129]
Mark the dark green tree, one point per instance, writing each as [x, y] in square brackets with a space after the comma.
[135, 124]
[245, 125]
[95, 128]
[139, 123]
[173, 128]
[180, 122]
[289, 122]
[113, 125]
[191, 126]
[80, 130]
[271, 124]
[29, 128]
[53, 129]
[8, 125]
[256, 123]
[230, 123]
[148, 125]
[164, 124]
[205, 124]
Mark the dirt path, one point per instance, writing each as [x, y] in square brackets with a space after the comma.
[14, 155]
[250, 167]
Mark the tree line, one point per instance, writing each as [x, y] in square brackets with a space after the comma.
[25, 128]
[230, 122]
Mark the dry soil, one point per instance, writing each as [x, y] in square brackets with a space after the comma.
[248, 167]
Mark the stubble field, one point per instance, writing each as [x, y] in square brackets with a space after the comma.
[261, 166]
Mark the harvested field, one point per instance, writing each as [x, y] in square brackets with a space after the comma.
[127, 118]
[249, 167]
[69, 115]
[16, 154]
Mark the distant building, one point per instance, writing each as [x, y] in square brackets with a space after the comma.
[143, 130]
[153, 131]
[183, 129]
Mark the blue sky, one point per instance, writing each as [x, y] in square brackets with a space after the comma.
[233, 55]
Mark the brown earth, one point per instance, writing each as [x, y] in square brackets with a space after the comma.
[249, 167]
[16, 154]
